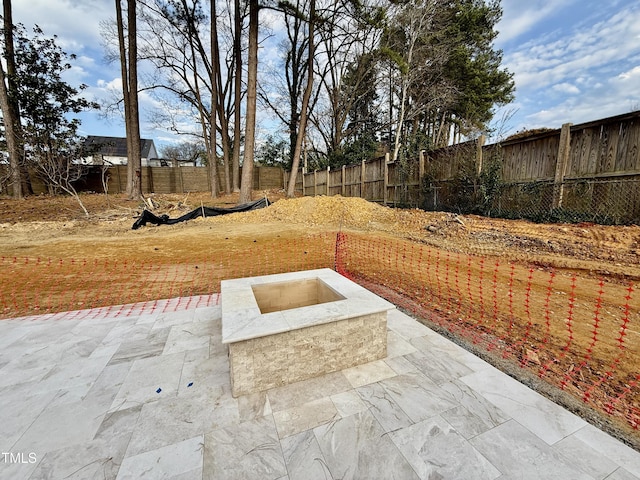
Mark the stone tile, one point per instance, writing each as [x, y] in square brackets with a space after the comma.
[188, 336]
[146, 376]
[303, 417]
[544, 418]
[147, 318]
[11, 333]
[401, 365]
[368, 373]
[105, 351]
[182, 458]
[348, 403]
[175, 419]
[356, 447]
[127, 330]
[518, 453]
[118, 424]
[398, 346]
[51, 430]
[303, 457]
[150, 346]
[613, 449]
[475, 414]
[13, 373]
[20, 467]
[405, 326]
[436, 450]
[621, 474]
[99, 458]
[440, 346]
[212, 314]
[417, 396]
[61, 378]
[253, 406]
[110, 380]
[438, 366]
[169, 319]
[299, 393]
[19, 407]
[202, 371]
[585, 458]
[81, 373]
[250, 450]
[382, 405]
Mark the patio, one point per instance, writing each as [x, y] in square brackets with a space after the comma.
[147, 395]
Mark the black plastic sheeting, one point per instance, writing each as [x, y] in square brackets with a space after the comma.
[148, 217]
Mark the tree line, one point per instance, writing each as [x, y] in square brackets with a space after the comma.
[348, 78]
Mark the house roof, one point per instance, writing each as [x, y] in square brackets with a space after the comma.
[117, 146]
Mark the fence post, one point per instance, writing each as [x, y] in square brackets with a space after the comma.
[385, 194]
[421, 173]
[479, 159]
[328, 170]
[119, 180]
[564, 151]
[342, 190]
[178, 173]
[315, 183]
[362, 172]
[303, 172]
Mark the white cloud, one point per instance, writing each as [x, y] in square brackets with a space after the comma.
[540, 63]
[632, 75]
[517, 19]
[567, 88]
[75, 22]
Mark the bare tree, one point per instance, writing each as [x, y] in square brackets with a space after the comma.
[215, 63]
[348, 46]
[237, 95]
[9, 105]
[302, 127]
[246, 185]
[60, 172]
[129, 70]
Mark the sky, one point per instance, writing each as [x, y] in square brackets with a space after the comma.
[573, 60]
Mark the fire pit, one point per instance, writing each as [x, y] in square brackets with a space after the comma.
[289, 327]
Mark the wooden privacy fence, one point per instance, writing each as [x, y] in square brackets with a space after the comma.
[165, 179]
[582, 172]
[377, 180]
[186, 179]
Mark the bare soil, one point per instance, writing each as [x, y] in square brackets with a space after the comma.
[55, 227]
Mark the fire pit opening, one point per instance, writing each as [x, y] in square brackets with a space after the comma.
[277, 296]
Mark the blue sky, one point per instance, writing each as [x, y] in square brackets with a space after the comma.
[573, 60]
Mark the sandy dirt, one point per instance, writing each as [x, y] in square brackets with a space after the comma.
[45, 227]
[55, 226]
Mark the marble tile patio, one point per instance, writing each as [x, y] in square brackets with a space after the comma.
[148, 396]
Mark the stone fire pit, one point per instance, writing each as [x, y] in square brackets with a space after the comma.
[289, 327]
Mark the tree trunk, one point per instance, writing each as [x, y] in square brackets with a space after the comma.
[215, 65]
[134, 155]
[13, 144]
[305, 105]
[246, 185]
[237, 50]
[9, 104]
[129, 71]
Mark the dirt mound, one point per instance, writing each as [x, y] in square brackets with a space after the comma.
[331, 211]
[339, 212]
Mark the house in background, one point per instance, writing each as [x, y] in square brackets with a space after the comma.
[113, 151]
